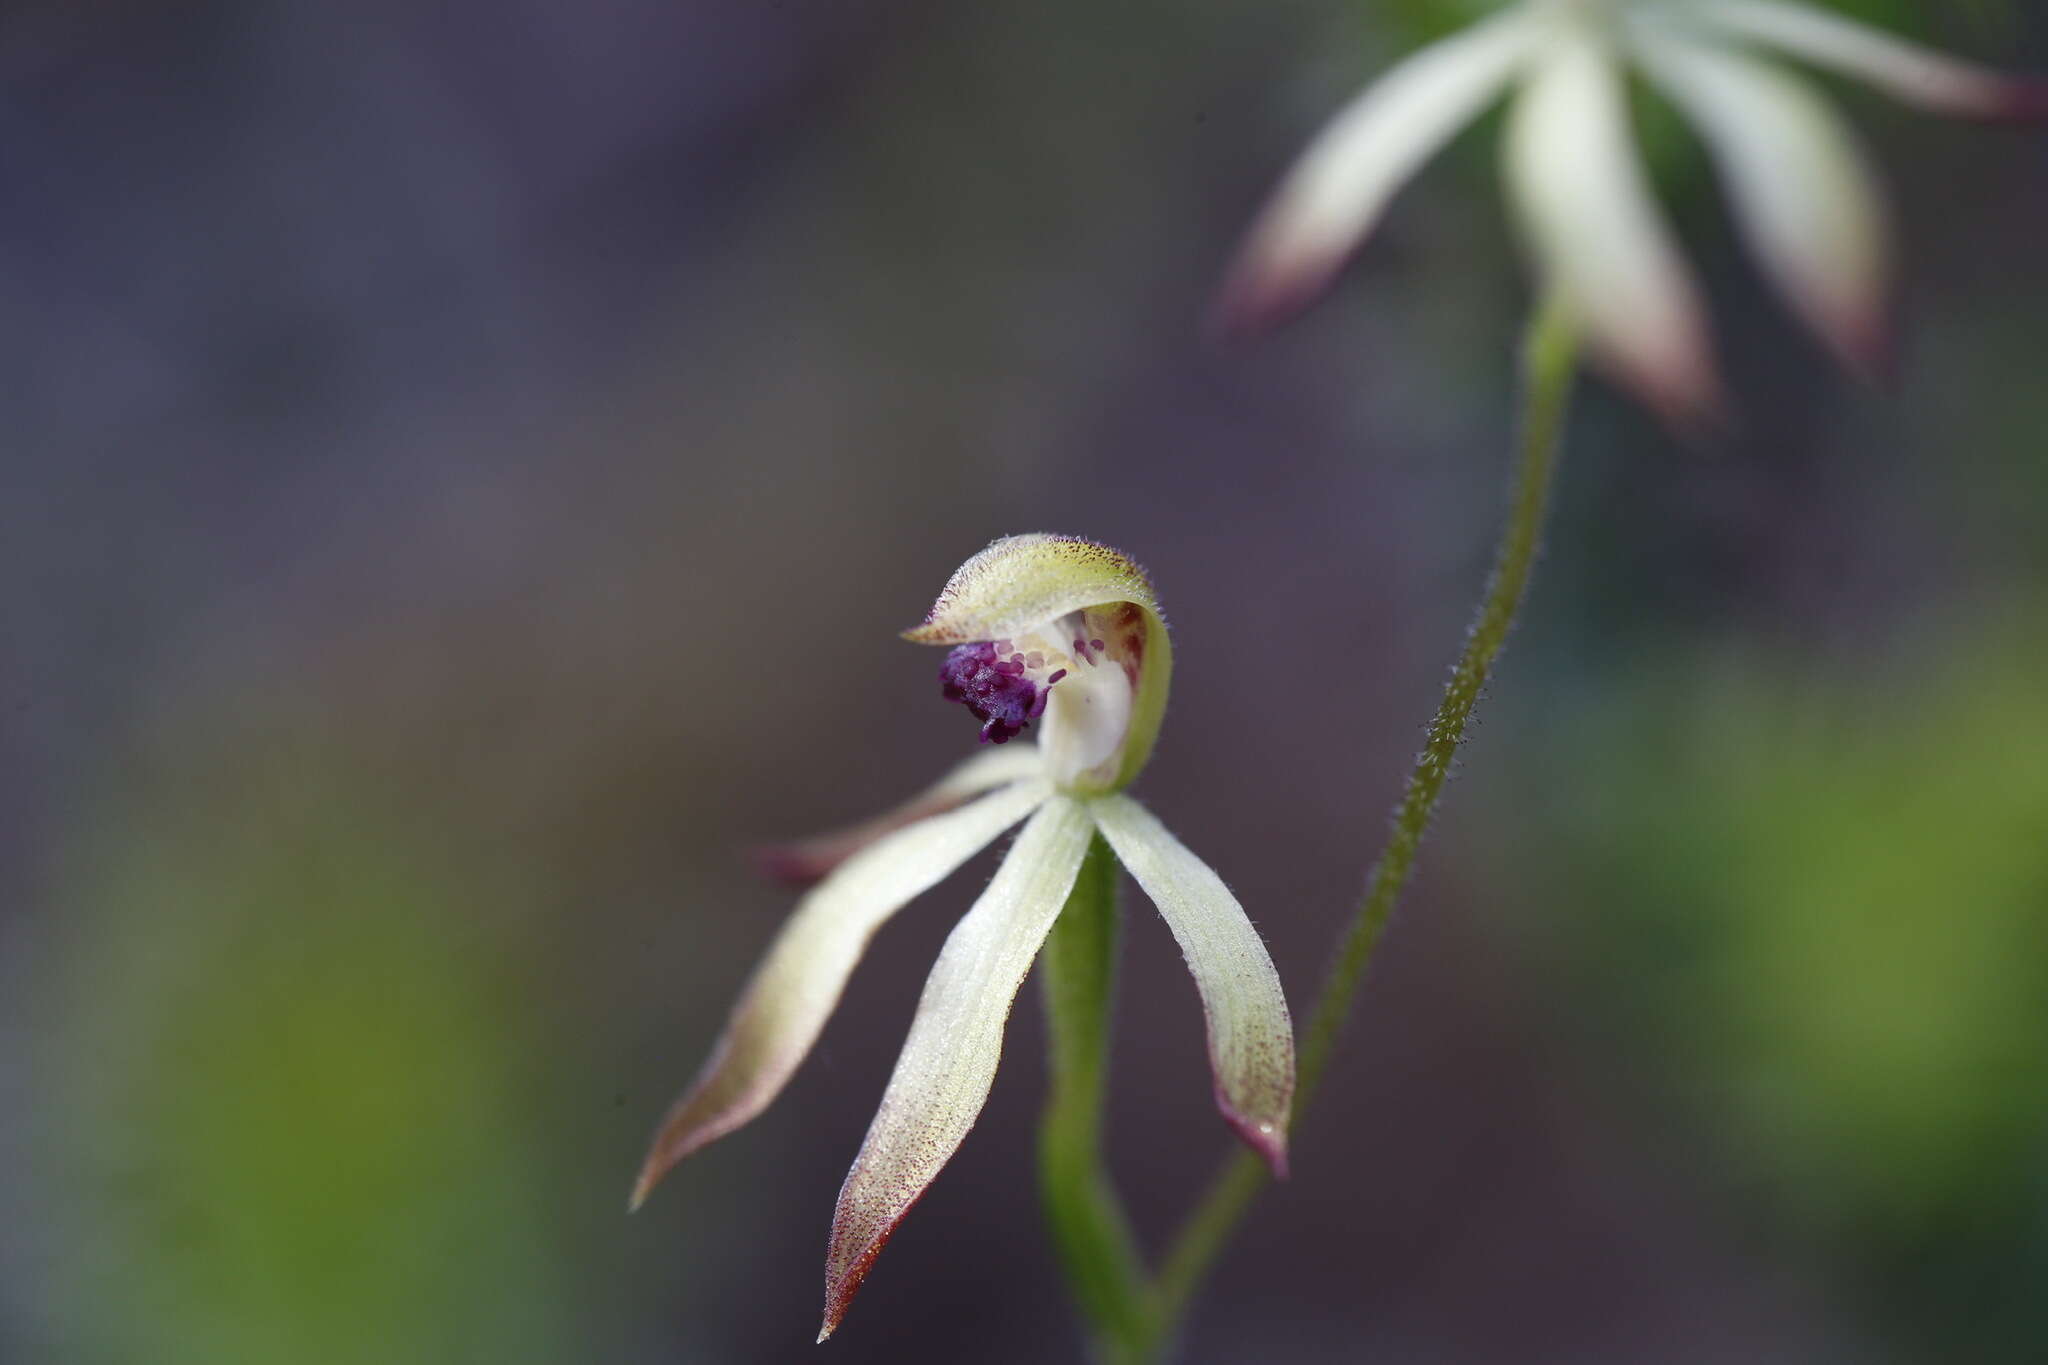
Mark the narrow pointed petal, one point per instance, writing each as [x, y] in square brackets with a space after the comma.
[1803, 193]
[1251, 1036]
[1596, 233]
[944, 1073]
[805, 860]
[795, 987]
[1336, 191]
[1904, 70]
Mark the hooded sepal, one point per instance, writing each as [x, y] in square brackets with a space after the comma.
[1030, 619]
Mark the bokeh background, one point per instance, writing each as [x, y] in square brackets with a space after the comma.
[466, 464]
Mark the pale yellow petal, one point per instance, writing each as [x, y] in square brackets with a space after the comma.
[805, 860]
[796, 986]
[949, 1061]
[1251, 1035]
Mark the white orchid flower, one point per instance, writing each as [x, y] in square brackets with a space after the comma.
[1803, 195]
[1066, 635]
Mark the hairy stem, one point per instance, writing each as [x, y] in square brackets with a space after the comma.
[1549, 360]
[1089, 1229]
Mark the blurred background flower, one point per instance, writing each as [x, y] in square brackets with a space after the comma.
[1798, 182]
[430, 430]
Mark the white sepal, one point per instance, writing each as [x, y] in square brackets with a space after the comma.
[1596, 233]
[1334, 194]
[1906, 71]
[1803, 194]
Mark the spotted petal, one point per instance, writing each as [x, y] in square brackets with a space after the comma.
[1251, 1036]
[1597, 235]
[1802, 192]
[944, 1073]
[1904, 70]
[1336, 191]
[796, 986]
[806, 860]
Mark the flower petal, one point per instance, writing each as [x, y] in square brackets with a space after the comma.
[947, 1065]
[1336, 190]
[797, 984]
[1596, 233]
[805, 860]
[1020, 583]
[1904, 70]
[1802, 192]
[1251, 1036]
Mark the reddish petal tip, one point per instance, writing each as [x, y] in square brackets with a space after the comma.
[842, 1287]
[1263, 1136]
[851, 1255]
[2014, 101]
[1698, 425]
[798, 864]
[1869, 351]
[686, 1131]
[1689, 401]
[650, 1176]
[1264, 292]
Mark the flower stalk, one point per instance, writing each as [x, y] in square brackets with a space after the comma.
[1090, 1231]
[1549, 361]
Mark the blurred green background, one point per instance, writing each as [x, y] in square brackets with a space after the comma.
[468, 464]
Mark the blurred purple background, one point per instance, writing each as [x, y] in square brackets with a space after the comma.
[469, 463]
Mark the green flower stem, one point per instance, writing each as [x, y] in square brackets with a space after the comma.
[1549, 360]
[1089, 1229]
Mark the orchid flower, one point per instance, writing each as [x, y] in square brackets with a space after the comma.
[1802, 192]
[1047, 631]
